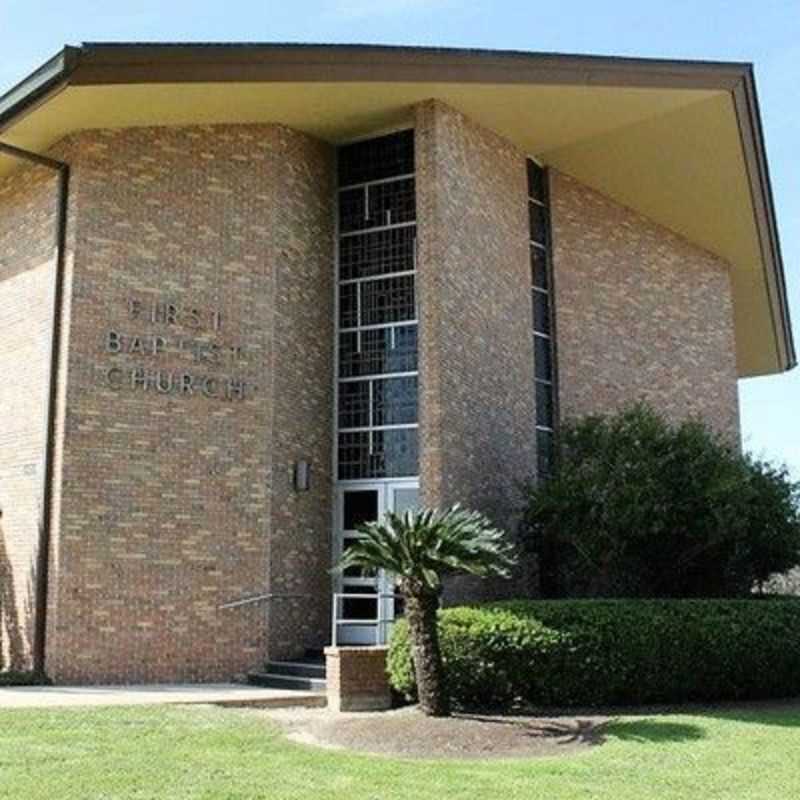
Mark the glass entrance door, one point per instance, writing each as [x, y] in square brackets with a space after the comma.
[365, 593]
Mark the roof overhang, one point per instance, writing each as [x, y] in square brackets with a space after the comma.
[680, 142]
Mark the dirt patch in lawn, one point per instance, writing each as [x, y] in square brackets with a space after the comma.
[408, 733]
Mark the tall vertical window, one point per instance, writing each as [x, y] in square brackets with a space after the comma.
[545, 376]
[377, 374]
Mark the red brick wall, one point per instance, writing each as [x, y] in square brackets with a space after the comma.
[641, 314]
[174, 503]
[27, 246]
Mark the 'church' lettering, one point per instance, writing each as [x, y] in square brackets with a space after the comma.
[180, 383]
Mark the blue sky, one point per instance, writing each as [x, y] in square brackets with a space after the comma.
[766, 33]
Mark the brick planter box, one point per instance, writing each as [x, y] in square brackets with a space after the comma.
[357, 679]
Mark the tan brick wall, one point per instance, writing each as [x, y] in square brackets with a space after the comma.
[170, 504]
[175, 503]
[302, 398]
[641, 314]
[27, 245]
[476, 341]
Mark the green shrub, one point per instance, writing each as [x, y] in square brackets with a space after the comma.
[613, 652]
[639, 507]
[16, 678]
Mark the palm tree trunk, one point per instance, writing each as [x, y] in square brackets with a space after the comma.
[421, 608]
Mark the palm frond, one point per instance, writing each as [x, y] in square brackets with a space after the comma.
[427, 544]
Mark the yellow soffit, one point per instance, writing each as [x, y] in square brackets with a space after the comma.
[685, 169]
[534, 117]
[673, 154]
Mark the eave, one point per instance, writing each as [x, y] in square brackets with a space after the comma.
[679, 141]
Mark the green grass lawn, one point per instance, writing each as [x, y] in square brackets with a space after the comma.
[192, 752]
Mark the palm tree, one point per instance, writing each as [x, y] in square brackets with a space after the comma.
[419, 548]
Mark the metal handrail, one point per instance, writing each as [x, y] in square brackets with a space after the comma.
[259, 598]
[379, 622]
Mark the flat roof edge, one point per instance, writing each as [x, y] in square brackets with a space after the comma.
[110, 63]
[236, 50]
[331, 63]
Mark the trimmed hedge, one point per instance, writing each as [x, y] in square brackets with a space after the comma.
[612, 652]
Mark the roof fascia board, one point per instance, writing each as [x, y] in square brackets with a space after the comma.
[52, 76]
[108, 64]
[745, 101]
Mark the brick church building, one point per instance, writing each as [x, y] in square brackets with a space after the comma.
[251, 295]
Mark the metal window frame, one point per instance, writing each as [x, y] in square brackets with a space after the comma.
[540, 384]
[360, 328]
[375, 229]
[366, 184]
[384, 485]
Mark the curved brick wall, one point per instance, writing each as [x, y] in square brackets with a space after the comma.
[199, 371]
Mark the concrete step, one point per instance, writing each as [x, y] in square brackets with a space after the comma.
[297, 669]
[295, 682]
[277, 698]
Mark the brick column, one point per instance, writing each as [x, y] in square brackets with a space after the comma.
[477, 415]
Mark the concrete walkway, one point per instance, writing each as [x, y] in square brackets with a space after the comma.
[224, 694]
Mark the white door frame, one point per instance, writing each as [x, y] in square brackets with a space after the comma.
[383, 583]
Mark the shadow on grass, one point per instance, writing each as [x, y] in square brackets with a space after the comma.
[782, 713]
[593, 731]
[575, 731]
[654, 731]
[653, 723]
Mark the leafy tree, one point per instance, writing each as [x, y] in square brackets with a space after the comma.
[639, 507]
[419, 548]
